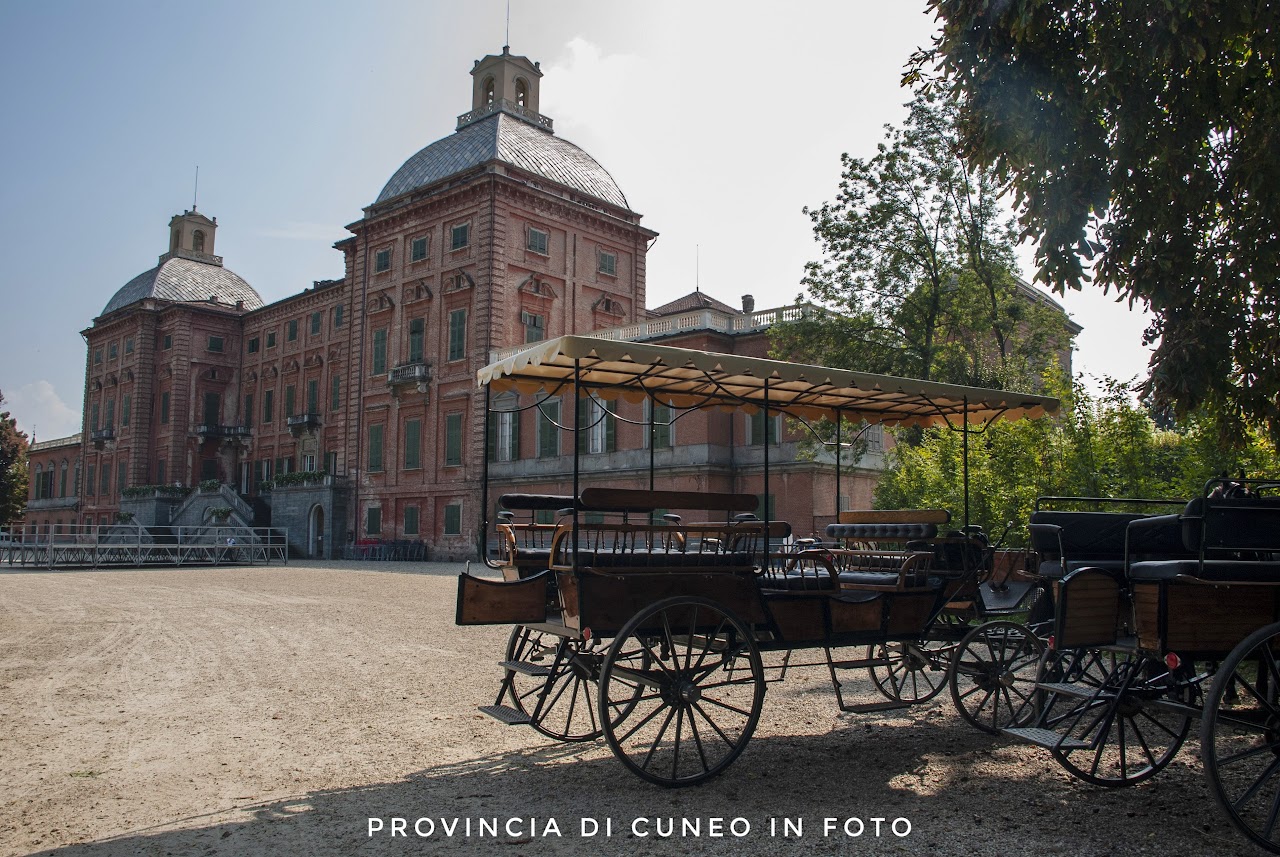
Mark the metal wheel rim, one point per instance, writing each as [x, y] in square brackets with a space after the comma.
[681, 690]
[993, 673]
[916, 671]
[560, 705]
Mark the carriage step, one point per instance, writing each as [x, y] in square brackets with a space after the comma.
[525, 667]
[506, 714]
[1046, 738]
[869, 707]
[1069, 689]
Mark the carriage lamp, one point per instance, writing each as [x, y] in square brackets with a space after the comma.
[1172, 661]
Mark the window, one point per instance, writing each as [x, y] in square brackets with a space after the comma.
[212, 409]
[416, 329]
[373, 520]
[290, 400]
[110, 422]
[598, 429]
[104, 487]
[335, 394]
[488, 91]
[122, 473]
[197, 241]
[126, 405]
[331, 462]
[458, 334]
[247, 414]
[412, 444]
[215, 344]
[128, 345]
[375, 448]
[875, 438]
[93, 417]
[382, 261]
[522, 92]
[663, 431]
[62, 481]
[167, 342]
[253, 345]
[313, 396]
[291, 330]
[160, 472]
[537, 241]
[271, 339]
[164, 408]
[418, 249]
[380, 351]
[535, 327]
[453, 519]
[766, 508]
[90, 483]
[504, 429]
[268, 406]
[113, 351]
[317, 318]
[410, 520]
[756, 429]
[548, 432]
[608, 263]
[337, 316]
[459, 236]
[453, 439]
[97, 356]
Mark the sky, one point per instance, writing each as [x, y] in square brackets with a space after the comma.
[719, 120]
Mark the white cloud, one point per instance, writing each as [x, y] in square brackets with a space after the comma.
[38, 408]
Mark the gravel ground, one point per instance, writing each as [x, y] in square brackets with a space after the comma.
[277, 710]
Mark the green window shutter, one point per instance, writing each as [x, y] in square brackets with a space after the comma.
[373, 520]
[453, 520]
[412, 444]
[416, 329]
[453, 439]
[126, 405]
[548, 432]
[375, 448]
[268, 406]
[122, 473]
[380, 351]
[313, 397]
[410, 520]
[89, 484]
[290, 400]
[457, 334]
[248, 409]
[610, 433]
[580, 427]
[514, 450]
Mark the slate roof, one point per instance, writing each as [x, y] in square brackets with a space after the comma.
[503, 137]
[693, 301]
[178, 279]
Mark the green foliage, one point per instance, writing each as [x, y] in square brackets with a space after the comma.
[1140, 137]
[299, 477]
[13, 468]
[151, 490]
[1099, 446]
[919, 273]
[209, 486]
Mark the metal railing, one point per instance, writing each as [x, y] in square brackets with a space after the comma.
[132, 546]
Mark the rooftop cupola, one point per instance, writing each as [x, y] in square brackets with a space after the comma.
[507, 84]
[191, 236]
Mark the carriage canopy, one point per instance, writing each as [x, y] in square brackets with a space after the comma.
[687, 378]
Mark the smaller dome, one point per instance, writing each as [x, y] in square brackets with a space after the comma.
[179, 279]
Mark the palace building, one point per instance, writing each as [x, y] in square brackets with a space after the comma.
[350, 411]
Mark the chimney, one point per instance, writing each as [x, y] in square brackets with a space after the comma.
[748, 304]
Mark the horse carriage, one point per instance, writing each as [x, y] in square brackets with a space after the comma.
[637, 625]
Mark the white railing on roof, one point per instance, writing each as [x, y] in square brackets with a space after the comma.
[705, 319]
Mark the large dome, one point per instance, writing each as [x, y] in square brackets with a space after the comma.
[178, 279]
[513, 141]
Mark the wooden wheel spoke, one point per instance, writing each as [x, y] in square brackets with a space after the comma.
[1251, 792]
[657, 739]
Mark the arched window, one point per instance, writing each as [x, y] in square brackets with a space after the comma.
[522, 92]
[39, 482]
[197, 241]
[177, 235]
[62, 480]
[488, 91]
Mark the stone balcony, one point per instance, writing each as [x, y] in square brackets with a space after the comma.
[299, 423]
[417, 375]
[228, 434]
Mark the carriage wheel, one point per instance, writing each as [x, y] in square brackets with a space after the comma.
[993, 675]
[561, 701]
[1125, 718]
[1240, 737]
[680, 691]
[915, 670]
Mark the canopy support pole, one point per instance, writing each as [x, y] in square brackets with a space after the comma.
[766, 467]
[839, 450]
[577, 450]
[965, 464]
[653, 437]
[484, 481]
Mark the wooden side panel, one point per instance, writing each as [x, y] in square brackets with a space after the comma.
[607, 601]
[858, 616]
[1090, 610]
[1146, 614]
[909, 613]
[645, 501]
[1214, 619]
[801, 618]
[492, 602]
[895, 516]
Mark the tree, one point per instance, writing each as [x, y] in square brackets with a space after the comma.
[13, 468]
[919, 271]
[1098, 446]
[1142, 138]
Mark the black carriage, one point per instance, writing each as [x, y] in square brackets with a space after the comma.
[647, 629]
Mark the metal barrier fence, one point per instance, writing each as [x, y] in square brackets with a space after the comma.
[128, 545]
[389, 551]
